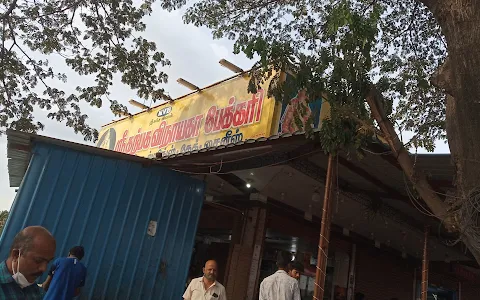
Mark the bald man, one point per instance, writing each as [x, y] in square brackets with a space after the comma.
[206, 287]
[31, 251]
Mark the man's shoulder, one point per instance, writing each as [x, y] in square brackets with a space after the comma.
[5, 276]
[283, 276]
[59, 260]
[195, 281]
[219, 285]
[269, 278]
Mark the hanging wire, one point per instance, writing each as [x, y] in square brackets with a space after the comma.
[269, 165]
[467, 215]
[415, 201]
[377, 153]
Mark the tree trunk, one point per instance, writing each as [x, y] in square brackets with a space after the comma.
[460, 78]
[436, 205]
[459, 20]
[416, 176]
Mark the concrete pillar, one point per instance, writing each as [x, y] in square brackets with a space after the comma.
[246, 255]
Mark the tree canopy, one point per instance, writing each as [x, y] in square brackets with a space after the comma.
[98, 39]
[379, 63]
[412, 63]
[3, 219]
[340, 47]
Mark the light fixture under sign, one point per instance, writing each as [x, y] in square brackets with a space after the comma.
[225, 63]
[248, 185]
[188, 84]
[138, 104]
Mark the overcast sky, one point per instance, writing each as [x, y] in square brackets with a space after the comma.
[194, 56]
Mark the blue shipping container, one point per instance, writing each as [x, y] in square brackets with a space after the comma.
[106, 204]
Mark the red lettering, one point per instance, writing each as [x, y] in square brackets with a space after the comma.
[210, 120]
[259, 104]
[198, 123]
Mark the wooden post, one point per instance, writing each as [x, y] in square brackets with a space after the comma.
[459, 290]
[246, 256]
[351, 275]
[425, 265]
[414, 284]
[324, 241]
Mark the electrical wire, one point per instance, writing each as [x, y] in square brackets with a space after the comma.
[414, 200]
[227, 161]
[269, 165]
[377, 153]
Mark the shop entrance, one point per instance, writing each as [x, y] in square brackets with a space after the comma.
[304, 251]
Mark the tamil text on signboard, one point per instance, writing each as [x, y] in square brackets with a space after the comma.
[222, 114]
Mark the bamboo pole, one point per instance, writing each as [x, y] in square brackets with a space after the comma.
[323, 243]
[425, 265]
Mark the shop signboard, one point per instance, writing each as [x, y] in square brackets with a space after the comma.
[299, 107]
[219, 115]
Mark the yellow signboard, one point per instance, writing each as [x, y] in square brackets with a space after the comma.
[222, 114]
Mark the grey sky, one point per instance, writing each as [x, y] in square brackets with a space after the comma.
[194, 56]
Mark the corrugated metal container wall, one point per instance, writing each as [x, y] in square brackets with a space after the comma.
[105, 205]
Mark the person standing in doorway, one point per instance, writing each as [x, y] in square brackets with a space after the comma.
[280, 286]
[66, 276]
[295, 269]
[207, 286]
[31, 251]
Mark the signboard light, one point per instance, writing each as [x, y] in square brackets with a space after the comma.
[235, 69]
[138, 104]
[188, 84]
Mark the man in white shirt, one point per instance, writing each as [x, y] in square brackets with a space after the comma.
[280, 286]
[206, 287]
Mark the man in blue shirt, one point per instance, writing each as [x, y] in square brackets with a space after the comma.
[66, 276]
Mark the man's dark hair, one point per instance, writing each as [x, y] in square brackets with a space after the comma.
[296, 265]
[22, 241]
[283, 259]
[78, 252]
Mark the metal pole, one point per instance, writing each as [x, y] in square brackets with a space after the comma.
[425, 265]
[323, 243]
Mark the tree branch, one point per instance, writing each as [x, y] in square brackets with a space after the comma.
[27, 56]
[4, 31]
[73, 5]
[437, 206]
[9, 11]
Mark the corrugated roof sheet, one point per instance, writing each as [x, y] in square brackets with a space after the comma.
[20, 145]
